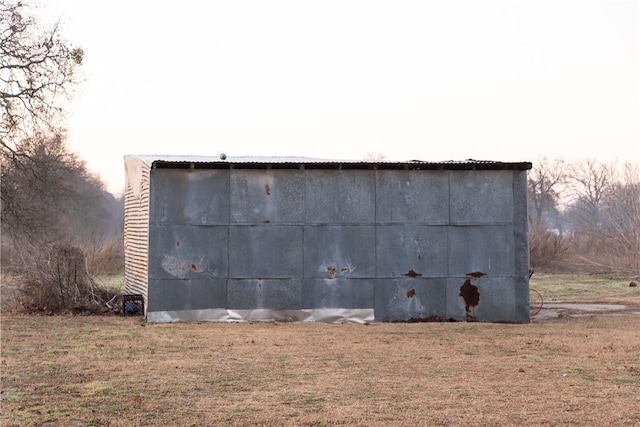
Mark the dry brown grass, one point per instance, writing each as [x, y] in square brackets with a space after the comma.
[587, 289]
[108, 258]
[546, 248]
[580, 253]
[114, 371]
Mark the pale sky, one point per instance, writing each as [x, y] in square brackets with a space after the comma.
[427, 80]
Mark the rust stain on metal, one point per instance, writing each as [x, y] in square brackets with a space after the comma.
[411, 293]
[332, 271]
[412, 273]
[194, 267]
[476, 274]
[471, 296]
[267, 189]
[344, 270]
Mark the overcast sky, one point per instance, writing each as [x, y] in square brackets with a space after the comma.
[428, 80]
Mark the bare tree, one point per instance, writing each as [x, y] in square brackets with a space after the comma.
[599, 203]
[57, 216]
[543, 193]
[38, 188]
[50, 195]
[588, 185]
[51, 205]
[621, 217]
[37, 70]
[544, 182]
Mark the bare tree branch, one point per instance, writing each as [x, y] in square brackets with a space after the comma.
[589, 182]
[38, 69]
[544, 183]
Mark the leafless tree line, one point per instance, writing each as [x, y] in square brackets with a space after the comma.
[59, 226]
[585, 216]
[57, 218]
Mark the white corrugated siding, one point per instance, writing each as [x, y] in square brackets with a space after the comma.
[136, 226]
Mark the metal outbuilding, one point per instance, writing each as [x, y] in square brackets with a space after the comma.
[301, 239]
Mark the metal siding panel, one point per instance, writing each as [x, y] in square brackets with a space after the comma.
[188, 252]
[481, 197]
[193, 294]
[265, 251]
[267, 196]
[275, 294]
[521, 250]
[495, 299]
[339, 251]
[344, 293]
[412, 197]
[407, 250]
[410, 299]
[340, 196]
[330, 315]
[136, 227]
[190, 197]
[488, 249]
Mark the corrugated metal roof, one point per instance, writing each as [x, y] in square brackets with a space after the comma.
[260, 162]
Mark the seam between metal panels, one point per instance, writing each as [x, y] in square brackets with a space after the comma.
[375, 230]
[304, 223]
[513, 221]
[229, 225]
[448, 227]
[448, 248]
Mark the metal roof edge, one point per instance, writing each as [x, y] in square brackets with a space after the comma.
[260, 162]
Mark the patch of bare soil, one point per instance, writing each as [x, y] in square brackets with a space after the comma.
[567, 309]
[115, 371]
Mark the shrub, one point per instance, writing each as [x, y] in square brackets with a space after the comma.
[57, 281]
[546, 248]
[108, 259]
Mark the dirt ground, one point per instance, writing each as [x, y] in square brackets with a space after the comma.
[576, 363]
[115, 371]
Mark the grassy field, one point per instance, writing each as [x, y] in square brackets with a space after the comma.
[115, 371]
[580, 288]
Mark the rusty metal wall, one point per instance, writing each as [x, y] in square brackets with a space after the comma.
[337, 244]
